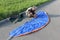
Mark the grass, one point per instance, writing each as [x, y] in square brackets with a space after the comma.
[10, 7]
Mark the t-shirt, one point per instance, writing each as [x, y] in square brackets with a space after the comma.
[30, 9]
[27, 10]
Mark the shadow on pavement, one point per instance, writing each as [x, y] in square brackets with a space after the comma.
[47, 3]
[5, 23]
[52, 16]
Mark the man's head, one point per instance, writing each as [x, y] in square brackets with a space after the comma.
[34, 8]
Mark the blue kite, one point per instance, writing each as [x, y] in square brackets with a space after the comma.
[32, 25]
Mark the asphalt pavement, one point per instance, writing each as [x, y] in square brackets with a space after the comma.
[50, 32]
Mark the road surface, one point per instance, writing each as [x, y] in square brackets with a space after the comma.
[50, 32]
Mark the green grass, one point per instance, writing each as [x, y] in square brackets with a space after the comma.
[9, 7]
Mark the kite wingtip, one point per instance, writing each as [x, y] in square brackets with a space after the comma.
[9, 38]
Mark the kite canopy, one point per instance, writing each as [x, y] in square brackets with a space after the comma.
[32, 25]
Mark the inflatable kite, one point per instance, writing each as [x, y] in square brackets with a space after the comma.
[32, 25]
